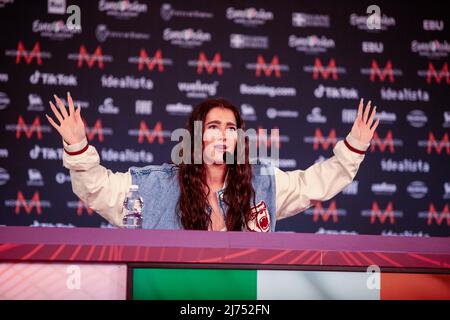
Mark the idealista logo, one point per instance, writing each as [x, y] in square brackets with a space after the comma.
[382, 215]
[331, 70]
[144, 62]
[28, 56]
[435, 75]
[242, 41]
[198, 89]
[126, 82]
[433, 215]
[127, 156]
[301, 19]
[405, 233]
[102, 34]
[186, 38]
[405, 94]
[216, 64]
[52, 79]
[320, 214]
[97, 57]
[311, 44]
[385, 22]
[376, 73]
[249, 17]
[431, 49]
[405, 165]
[123, 9]
[167, 13]
[267, 69]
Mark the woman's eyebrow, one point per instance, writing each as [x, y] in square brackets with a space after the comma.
[219, 122]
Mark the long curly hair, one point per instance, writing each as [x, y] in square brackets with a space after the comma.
[239, 193]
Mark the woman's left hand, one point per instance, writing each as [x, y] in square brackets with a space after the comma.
[363, 129]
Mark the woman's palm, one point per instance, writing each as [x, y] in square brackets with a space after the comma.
[71, 126]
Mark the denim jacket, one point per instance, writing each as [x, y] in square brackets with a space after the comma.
[279, 194]
[159, 186]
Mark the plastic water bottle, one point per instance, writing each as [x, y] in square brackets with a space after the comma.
[132, 207]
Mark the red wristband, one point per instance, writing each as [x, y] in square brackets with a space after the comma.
[353, 149]
[77, 152]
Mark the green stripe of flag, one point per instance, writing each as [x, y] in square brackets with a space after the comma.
[194, 284]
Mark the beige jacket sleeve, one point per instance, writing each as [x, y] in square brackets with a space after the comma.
[99, 188]
[298, 190]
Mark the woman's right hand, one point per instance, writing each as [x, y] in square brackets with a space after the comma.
[71, 126]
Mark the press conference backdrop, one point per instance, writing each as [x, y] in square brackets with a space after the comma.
[137, 68]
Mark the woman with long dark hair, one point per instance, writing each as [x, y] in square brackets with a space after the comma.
[210, 194]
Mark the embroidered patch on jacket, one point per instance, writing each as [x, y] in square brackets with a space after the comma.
[261, 220]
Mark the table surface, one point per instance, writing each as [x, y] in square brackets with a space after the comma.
[276, 249]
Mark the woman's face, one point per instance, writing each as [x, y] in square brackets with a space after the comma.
[219, 135]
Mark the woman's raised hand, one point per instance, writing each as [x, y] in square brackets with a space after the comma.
[364, 127]
[71, 126]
